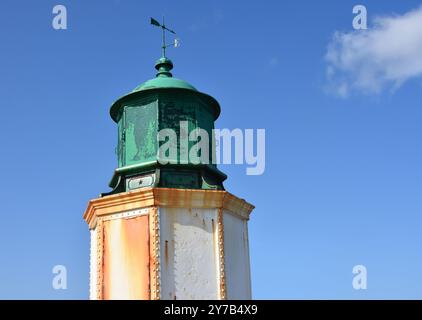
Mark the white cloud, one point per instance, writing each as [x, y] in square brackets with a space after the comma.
[382, 57]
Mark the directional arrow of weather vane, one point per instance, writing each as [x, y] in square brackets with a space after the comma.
[164, 29]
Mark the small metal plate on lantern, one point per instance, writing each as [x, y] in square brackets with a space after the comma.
[140, 182]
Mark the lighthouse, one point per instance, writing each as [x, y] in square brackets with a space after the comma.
[168, 229]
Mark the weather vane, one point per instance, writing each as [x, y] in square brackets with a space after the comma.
[176, 42]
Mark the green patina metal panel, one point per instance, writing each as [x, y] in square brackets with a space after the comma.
[205, 121]
[120, 142]
[172, 112]
[139, 133]
[180, 179]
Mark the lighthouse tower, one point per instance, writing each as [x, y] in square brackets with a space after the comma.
[168, 229]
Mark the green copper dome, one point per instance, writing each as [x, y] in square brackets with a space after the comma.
[164, 81]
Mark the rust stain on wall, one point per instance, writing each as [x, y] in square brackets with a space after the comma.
[186, 198]
[166, 254]
[126, 258]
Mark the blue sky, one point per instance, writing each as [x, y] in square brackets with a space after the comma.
[343, 175]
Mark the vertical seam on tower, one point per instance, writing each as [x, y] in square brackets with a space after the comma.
[100, 262]
[155, 251]
[223, 289]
